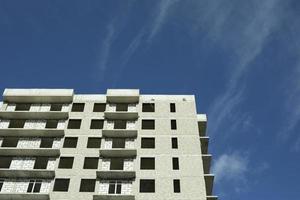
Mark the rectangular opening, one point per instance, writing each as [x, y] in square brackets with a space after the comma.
[122, 107]
[147, 163]
[74, 124]
[174, 143]
[120, 124]
[56, 107]
[114, 187]
[51, 123]
[16, 123]
[5, 162]
[175, 163]
[116, 163]
[70, 142]
[61, 185]
[147, 186]
[78, 107]
[94, 142]
[148, 143]
[91, 163]
[176, 185]
[148, 124]
[97, 124]
[65, 162]
[10, 142]
[41, 163]
[148, 107]
[1, 184]
[172, 107]
[118, 143]
[46, 142]
[23, 107]
[87, 185]
[99, 107]
[173, 124]
[34, 186]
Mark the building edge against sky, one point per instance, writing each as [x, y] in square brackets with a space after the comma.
[55, 144]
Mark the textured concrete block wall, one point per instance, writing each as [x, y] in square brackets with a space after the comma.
[126, 187]
[111, 107]
[103, 187]
[132, 108]
[22, 163]
[8, 186]
[51, 164]
[129, 143]
[57, 143]
[46, 186]
[21, 185]
[34, 107]
[131, 125]
[128, 164]
[11, 107]
[29, 143]
[4, 123]
[1, 140]
[105, 164]
[108, 143]
[35, 124]
[110, 125]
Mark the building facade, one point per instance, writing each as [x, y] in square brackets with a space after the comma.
[58, 145]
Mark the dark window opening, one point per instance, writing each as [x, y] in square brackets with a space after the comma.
[46, 142]
[114, 187]
[147, 185]
[16, 123]
[174, 143]
[173, 124]
[74, 124]
[148, 124]
[56, 107]
[94, 142]
[5, 162]
[120, 124]
[87, 185]
[1, 184]
[148, 107]
[147, 163]
[77, 107]
[10, 142]
[176, 185]
[97, 124]
[34, 186]
[116, 163]
[23, 107]
[172, 107]
[41, 163]
[91, 163]
[70, 142]
[61, 185]
[118, 143]
[99, 107]
[66, 162]
[148, 143]
[51, 124]
[122, 107]
[175, 163]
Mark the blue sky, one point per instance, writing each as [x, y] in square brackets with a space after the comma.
[240, 58]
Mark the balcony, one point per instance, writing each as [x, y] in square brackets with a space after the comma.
[32, 173]
[123, 133]
[206, 158]
[209, 181]
[116, 174]
[118, 152]
[128, 115]
[113, 197]
[33, 115]
[122, 95]
[22, 132]
[211, 198]
[13, 151]
[202, 120]
[204, 144]
[24, 196]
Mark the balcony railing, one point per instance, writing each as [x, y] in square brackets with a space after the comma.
[209, 180]
[206, 158]
[27, 173]
[118, 152]
[113, 197]
[116, 174]
[24, 196]
[129, 115]
[14, 151]
[204, 144]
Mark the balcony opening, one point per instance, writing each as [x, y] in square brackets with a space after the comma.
[51, 124]
[147, 186]
[23, 107]
[114, 187]
[1, 184]
[34, 186]
[46, 142]
[16, 123]
[78, 107]
[148, 143]
[87, 185]
[116, 163]
[74, 124]
[66, 162]
[10, 142]
[56, 107]
[148, 107]
[176, 185]
[172, 107]
[97, 124]
[120, 124]
[70, 142]
[99, 107]
[41, 163]
[94, 142]
[174, 143]
[61, 185]
[118, 143]
[5, 162]
[147, 163]
[91, 163]
[122, 107]
[175, 163]
[148, 124]
[173, 124]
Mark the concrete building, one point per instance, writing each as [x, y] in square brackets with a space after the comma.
[58, 145]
